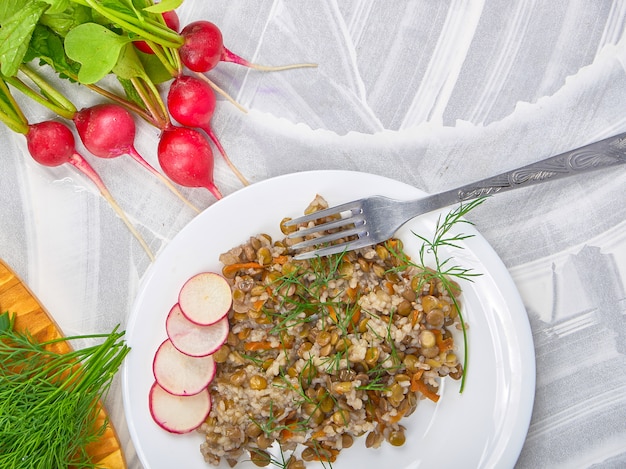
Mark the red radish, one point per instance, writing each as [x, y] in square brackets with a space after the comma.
[52, 143]
[178, 414]
[191, 102]
[187, 159]
[171, 21]
[180, 374]
[193, 339]
[204, 48]
[205, 298]
[108, 131]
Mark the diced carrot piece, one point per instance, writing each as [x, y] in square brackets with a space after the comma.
[418, 385]
[332, 313]
[415, 314]
[356, 317]
[351, 293]
[260, 345]
[396, 418]
[443, 344]
[265, 345]
[229, 271]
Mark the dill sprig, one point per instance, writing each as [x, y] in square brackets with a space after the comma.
[49, 401]
[445, 271]
[303, 379]
[275, 424]
[444, 237]
[332, 363]
[254, 358]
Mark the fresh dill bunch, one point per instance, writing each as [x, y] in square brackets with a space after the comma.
[49, 401]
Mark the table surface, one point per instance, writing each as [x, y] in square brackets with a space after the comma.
[434, 94]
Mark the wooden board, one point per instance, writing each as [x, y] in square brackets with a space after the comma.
[15, 297]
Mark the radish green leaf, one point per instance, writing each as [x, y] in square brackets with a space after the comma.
[9, 7]
[47, 47]
[96, 48]
[128, 64]
[15, 35]
[163, 6]
[154, 68]
[57, 6]
[62, 22]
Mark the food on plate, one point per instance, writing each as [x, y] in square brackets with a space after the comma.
[326, 350]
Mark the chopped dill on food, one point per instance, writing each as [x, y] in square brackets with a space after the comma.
[325, 350]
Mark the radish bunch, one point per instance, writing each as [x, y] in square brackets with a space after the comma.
[191, 102]
[183, 366]
[143, 51]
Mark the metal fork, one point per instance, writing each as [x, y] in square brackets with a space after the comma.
[375, 219]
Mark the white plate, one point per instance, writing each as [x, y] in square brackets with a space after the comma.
[485, 426]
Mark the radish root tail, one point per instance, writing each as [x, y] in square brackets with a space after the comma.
[229, 56]
[137, 157]
[230, 164]
[84, 167]
[215, 191]
[279, 68]
[221, 92]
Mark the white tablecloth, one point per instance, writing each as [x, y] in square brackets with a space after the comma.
[431, 93]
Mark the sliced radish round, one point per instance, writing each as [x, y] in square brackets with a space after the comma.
[193, 339]
[178, 414]
[205, 298]
[181, 374]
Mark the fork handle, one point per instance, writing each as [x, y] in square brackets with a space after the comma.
[602, 154]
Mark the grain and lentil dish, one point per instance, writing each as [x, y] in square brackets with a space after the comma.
[325, 350]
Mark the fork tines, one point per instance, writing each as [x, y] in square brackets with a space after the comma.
[322, 234]
[354, 207]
